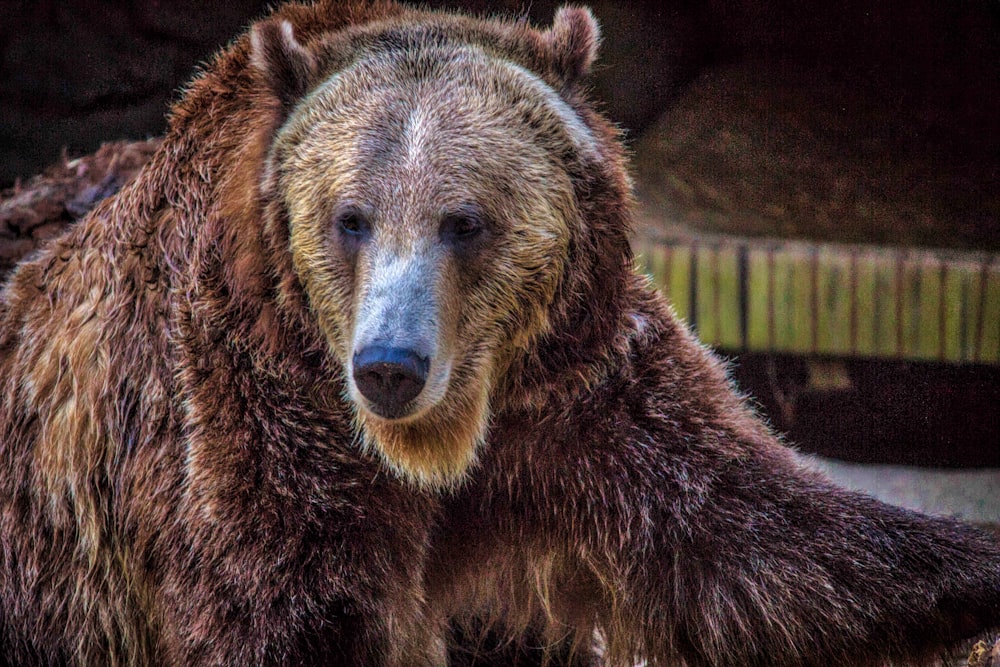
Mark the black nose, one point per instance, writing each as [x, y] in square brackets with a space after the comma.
[389, 377]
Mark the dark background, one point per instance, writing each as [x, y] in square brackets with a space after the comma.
[75, 73]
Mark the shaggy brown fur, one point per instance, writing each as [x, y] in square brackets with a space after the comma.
[190, 476]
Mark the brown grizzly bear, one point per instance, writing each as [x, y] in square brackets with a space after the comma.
[359, 361]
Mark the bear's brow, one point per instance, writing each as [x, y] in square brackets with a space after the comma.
[416, 132]
[432, 62]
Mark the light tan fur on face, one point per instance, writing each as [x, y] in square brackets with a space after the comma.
[409, 149]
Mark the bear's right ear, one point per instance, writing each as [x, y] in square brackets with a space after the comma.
[574, 39]
[284, 65]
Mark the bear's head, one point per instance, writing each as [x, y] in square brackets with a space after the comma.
[435, 175]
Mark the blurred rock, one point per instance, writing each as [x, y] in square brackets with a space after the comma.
[782, 149]
[42, 207]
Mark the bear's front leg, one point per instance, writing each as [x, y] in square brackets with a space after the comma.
[759, 563]
[703, 539]
[230, 626]
[352, 605]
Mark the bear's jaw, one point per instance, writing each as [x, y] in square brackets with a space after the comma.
[435, 451]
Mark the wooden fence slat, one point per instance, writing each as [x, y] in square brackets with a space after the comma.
[802, 321]
[886, 307]
[654, 262]
[781, 298]
[758, 332]
[989, 350]
[727, 304]
[953, 283]
[679, 280]
[705, 282]
[975, 295]
[833, 309]
[909, 330]
[928, 340]
[864, 304]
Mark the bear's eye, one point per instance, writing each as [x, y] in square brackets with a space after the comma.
[352, 223]
[461, 227]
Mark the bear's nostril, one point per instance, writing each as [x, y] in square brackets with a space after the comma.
[389, 377]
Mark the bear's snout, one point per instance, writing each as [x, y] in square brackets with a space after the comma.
[389, 377]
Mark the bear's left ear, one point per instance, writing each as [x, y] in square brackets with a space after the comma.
[284, 65]
[573, 40]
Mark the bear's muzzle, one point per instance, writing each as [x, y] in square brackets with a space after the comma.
[390, 377]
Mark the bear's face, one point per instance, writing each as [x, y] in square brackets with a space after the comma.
[430, 212]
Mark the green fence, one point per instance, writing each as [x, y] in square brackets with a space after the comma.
[829, 299]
